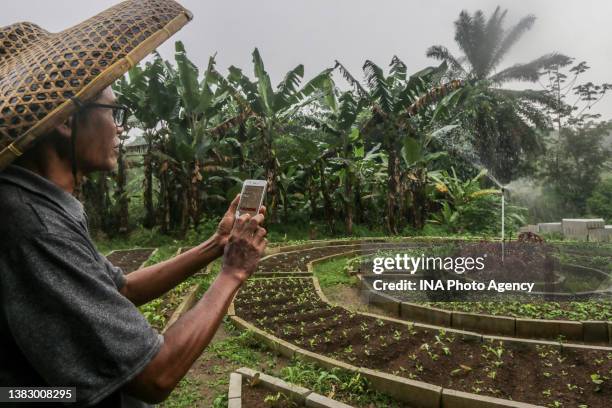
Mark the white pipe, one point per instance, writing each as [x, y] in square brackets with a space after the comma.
[503, 217]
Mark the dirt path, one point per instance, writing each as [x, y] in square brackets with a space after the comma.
[349, 297]
[208, 378]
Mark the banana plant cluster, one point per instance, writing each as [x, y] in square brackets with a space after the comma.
[354, 155]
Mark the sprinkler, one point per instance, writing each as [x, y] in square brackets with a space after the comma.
[503, 208]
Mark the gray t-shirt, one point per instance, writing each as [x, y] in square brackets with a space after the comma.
[63, 321]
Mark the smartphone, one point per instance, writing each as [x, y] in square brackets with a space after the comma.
[251, 197]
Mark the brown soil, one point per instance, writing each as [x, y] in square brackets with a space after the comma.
[130, 259]
[290, 309]
[255, 396]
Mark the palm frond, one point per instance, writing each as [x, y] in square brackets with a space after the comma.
[441, 53]
[464, 37]
[511, 38]
[494, 32]
[531, 70]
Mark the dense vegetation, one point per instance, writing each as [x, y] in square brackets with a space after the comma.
[394, 152]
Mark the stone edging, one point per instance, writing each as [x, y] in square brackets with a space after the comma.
[188, 301]
[295, 393]
[589, 331]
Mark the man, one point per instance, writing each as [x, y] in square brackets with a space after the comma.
[67, 316]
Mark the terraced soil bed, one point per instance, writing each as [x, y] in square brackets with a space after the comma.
[589, 310]
[159, 311]
[297, 260]
[260, 397]
[290, 309]
[130, 260]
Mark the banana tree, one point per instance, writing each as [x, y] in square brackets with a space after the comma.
[149, 94]
[340, 124]
[417, 157]
[389, 97]
[270, 110]
[456, 195]
[193, 145]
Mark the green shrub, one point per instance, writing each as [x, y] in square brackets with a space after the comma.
[600, 202]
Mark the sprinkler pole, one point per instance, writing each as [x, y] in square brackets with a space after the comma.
[503, 218]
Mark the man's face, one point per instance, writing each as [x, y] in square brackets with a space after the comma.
[97, 140]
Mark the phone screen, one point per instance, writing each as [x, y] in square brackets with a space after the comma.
[250, 200]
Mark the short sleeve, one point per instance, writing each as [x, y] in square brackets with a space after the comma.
[115, 272]
[70, 321]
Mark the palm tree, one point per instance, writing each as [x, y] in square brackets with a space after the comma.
[503, 121]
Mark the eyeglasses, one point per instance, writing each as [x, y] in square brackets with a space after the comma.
[120, 112]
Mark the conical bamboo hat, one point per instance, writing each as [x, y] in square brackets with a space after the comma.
[41, 71]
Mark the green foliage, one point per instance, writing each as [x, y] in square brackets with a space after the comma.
[466, 207]
[336, 383]
[574, 170]
[600, 202]
[332, 273]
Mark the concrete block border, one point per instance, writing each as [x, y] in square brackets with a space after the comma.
[592, 331]
[188, 301]
[583, 331]
[295, 393]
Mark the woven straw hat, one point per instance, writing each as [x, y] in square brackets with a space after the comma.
[40, 71]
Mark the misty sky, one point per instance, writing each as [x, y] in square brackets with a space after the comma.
[316, 32]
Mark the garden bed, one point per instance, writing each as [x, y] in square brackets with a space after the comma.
[290, 309]
[297, 259]
[587, 310]
[253, 389]
[159, 312]
[130, 260]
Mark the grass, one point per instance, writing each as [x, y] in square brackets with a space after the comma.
[333, 272]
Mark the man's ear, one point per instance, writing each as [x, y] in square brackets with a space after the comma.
[65, 129]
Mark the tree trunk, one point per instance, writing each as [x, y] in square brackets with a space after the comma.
[348, 200]
[164, 198]
[358, 203]
[184, 203]
[271, 176]
[121, 194]
[312, 193]
[149, 220]
[419, 198]
[195, 207]
[392, 189]
[328, 207]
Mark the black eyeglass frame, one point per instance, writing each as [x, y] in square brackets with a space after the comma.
[115, 108]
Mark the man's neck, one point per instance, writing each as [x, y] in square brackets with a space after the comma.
[56, 170]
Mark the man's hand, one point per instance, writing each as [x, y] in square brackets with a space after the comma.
[245, 246]
[227, 222]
